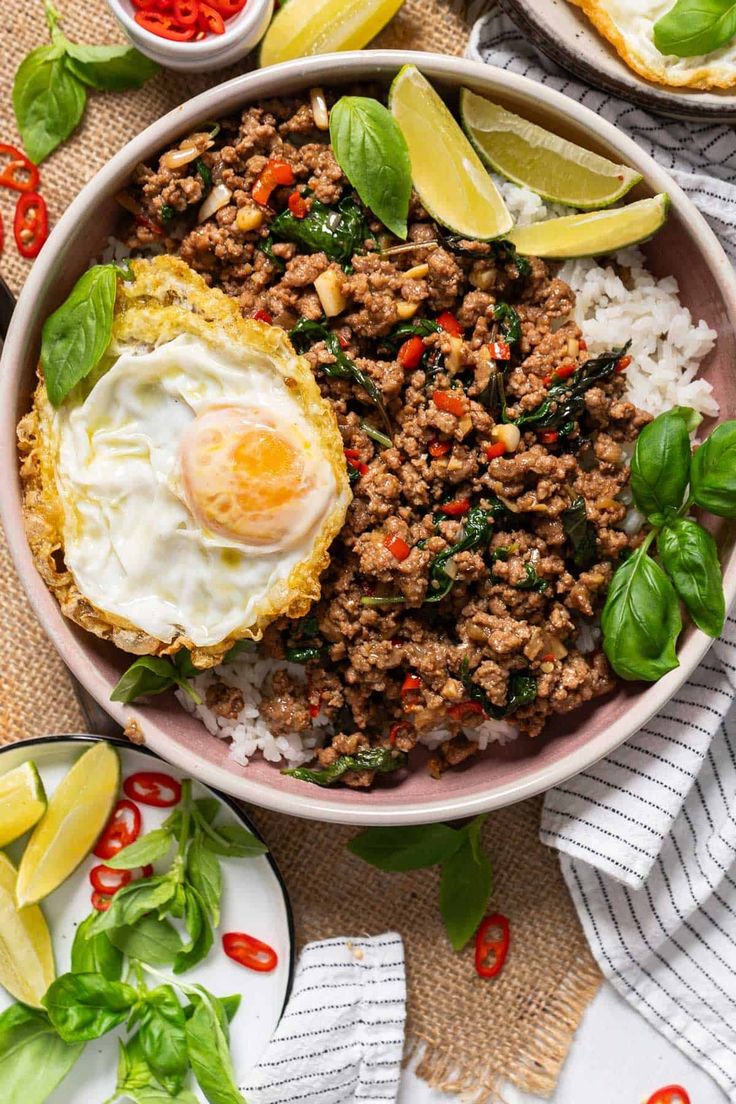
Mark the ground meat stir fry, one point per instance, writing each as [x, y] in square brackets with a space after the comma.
[484, 533]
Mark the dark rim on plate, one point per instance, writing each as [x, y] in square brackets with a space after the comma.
[80, 738]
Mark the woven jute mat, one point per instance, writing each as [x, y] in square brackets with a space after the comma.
[469, 1034]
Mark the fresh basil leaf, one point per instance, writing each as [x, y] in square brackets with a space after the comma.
[465, 886]
[109, 68]
[199, 931]
[580, 533]
[209, 1054]
[33, 1059]
[151, 675]
[230, 1006]
[151, 940]
[135, 900]
[163, 1038]
[137, 1082]
[85, 1006]
[203, 871]
[77, 334]
[565, 400]
[205, 808]
[147, 849]
[378, 759]
[232, 841]
[713, 472]
[340, 231]
[641, 620]
[694, 27]
[48, 101]
[411, 848]
[95, 954]
[372, 152]
[690, 557]
[660, 466]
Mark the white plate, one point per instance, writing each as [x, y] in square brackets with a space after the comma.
[565, 34]
[254, 900]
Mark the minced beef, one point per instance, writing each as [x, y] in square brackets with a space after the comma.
[517, 600]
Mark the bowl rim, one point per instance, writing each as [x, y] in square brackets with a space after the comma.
[322, 69]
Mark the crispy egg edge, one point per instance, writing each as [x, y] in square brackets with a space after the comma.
[183, 303]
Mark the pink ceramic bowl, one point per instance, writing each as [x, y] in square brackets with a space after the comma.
[686, 248]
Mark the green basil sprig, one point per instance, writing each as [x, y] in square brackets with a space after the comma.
[33, 1058]
[694, 27]
[151, 675]
[641, 619]
[372, 152]
[50, 86]
[465, 881]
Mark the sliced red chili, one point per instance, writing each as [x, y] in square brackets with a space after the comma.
[563, 372]
[100, 901]
[227, 8]
[343, 342]
[164, 26]
[411, 353]
[458, 710]
[451, 402]
[146, 871]
[18, 172]
[438, 448]
[411, 682]
[548, 658]
[186, 12]
[298, 205]
[491, 945]
[550, 437]
[141, 220]
[123, 828]
[457, 508]
[397, 547]
[401, 728]
[108, 881]
[449, 323]
[353, 458]
[314, 711]
[500, 350]
[209, 20]
[30, 224]
[275, 173]
[669, 1094]
[250, 952]
[263, 316]
[494, 451]
[153, 788]
[623, 363]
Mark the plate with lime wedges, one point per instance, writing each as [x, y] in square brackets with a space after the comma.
[146, 939]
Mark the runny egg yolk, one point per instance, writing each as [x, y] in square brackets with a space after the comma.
[245, 476]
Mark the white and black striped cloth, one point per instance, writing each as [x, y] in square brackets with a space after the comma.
[341, 1037]
[648, 836]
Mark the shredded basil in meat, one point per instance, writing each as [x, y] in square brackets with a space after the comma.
[340, 231]
[510, 330]
[204, 172]
[476, 532]
[379, 759]
[304, 654]
[266, 247]
[580, 533]
[420, 327]
[533, 580]
[306, 333]
[522, 690]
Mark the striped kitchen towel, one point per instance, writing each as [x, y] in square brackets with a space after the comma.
[647, 837]
[342, 1035]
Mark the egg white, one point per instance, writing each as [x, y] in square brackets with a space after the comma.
[629, 27]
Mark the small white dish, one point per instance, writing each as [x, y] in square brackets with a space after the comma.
[253, 900]
[242, 32]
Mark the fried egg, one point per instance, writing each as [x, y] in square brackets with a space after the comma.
[195, 484]
[629, 27]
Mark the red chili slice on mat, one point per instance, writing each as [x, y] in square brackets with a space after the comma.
[492, 946]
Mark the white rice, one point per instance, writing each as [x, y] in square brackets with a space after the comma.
[667, 348]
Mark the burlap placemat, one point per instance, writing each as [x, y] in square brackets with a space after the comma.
[470, 1033]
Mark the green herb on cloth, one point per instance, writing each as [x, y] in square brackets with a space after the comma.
[50, 86]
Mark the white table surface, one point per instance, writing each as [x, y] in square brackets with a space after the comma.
[616, 1058]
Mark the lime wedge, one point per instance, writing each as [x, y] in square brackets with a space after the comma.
[76, 814]
[557, 170]
[304, 27]
[22, 801]
[26, 956]
[593, 233]
[447, 173]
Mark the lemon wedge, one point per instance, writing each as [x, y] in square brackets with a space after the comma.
[593, 233]
[447, 173]
[26, 955]
[303, 27]
[22, 801]
[74, 818]
[527, 154]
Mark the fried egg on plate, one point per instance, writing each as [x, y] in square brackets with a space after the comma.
[195, 484]
[629, 27]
